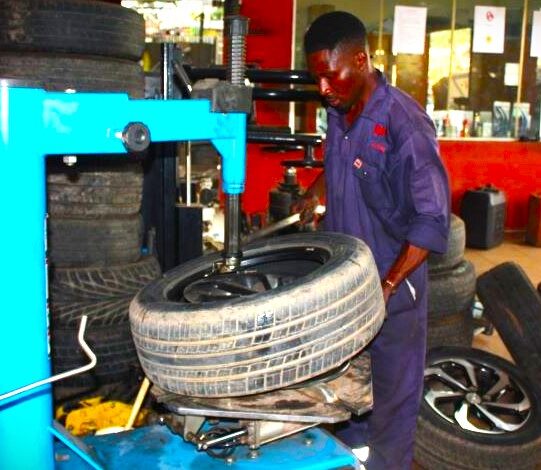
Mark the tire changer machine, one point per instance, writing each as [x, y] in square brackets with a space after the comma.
[273, 430]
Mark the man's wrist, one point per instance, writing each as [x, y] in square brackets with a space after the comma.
[390, 284]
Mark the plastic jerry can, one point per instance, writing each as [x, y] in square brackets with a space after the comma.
[483, 211]
[533, 229]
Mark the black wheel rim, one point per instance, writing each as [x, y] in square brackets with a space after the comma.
[257, 274]
[476, 396]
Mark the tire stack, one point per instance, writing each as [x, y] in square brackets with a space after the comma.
[96, 267]
[451, 284]
[94, 226]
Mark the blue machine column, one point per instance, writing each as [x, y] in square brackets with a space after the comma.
[34, 123]
[25, 442]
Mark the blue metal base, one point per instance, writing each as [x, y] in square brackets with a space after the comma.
[156, 447]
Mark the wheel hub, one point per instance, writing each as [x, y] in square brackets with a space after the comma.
[473, 399]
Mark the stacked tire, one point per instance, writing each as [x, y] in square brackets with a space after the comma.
[94, 226]
[96, 267]
[451, 292]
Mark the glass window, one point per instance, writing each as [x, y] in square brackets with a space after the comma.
[468, 94]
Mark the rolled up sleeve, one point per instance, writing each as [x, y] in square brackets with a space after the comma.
[429, 194]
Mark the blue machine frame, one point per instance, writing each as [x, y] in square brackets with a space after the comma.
[35, 123]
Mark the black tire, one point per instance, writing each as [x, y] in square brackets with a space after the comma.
[513, 306]
[61, 71]
[452, 290]
[71, 26]
[443, 444]
[112, 311]
[455, 249]
[111, 188]
[113, 347]
[450, 330]
[94, 242]
[267, 340]
[70, 285]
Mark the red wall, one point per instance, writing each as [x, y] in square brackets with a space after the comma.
[269, 46]
[514, 167]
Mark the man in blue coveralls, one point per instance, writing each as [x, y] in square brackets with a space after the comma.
[385, 184]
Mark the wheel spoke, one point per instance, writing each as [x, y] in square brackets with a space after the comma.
[445, 377]
[502, 382]
[520, 407]
[497, 422]
[469, 368]
[433, 395]
[216, 289]
[461, 417]
[235, 288]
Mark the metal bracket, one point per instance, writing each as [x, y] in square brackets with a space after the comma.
[76, 445]
[63, 375]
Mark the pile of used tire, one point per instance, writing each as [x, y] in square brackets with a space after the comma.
[451, 292]
[96, 267]
[94, 226]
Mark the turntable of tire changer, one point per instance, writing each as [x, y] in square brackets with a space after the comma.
[220, 425]
[272, 430]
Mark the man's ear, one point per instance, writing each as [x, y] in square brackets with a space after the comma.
[361, 60]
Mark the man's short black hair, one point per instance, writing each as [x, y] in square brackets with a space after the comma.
[333, 29]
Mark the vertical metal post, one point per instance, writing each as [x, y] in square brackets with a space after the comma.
[25, 440]
[168, 49]
[161, 179]
[452, 53]
[522, 50]
[380, 26]
[237, 28]
[231, 7]
[521, 61]
[232, 230]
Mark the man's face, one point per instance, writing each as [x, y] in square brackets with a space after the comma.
[340, 75]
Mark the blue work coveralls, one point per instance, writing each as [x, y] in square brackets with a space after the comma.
[386, 184]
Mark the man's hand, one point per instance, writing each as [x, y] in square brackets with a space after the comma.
[306, 207]
[388, 290]
[307, 204]
[410, 258]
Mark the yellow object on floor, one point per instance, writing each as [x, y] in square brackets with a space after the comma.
[93, 414]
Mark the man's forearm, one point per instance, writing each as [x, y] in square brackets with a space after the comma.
[410, 258]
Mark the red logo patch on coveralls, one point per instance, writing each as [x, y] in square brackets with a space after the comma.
[379, 147]
[379, 130]
[358, 163]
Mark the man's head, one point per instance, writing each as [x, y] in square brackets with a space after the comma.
[337, 57]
